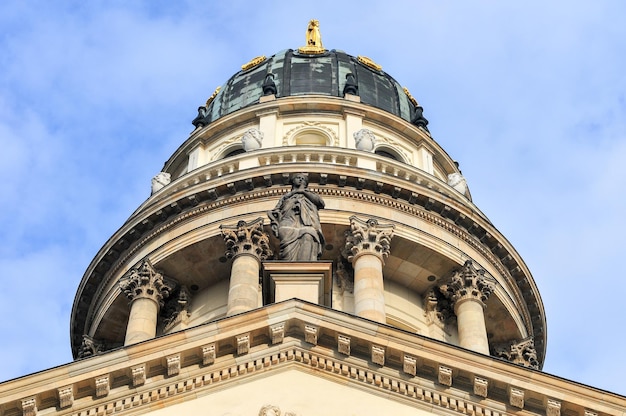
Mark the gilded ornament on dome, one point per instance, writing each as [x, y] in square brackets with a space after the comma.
[254, 62]
[313, 39]
[212, 97]
[411, 98]
[369, 63]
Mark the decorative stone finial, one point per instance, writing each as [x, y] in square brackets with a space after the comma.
[269, 86]
[313, 39]
[351, 86]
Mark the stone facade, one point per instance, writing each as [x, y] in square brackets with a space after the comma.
[234, 367]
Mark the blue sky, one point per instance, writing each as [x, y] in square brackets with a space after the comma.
[529, 97]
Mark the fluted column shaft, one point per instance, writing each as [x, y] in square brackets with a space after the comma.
[146, 289]
[468, 289]
[367, 245]
[247, 245]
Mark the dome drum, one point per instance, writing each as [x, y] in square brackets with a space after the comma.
[344, 194]
[362, 142]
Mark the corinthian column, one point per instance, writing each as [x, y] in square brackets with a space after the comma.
[468, 289]
[145, 288]
[247, 245]
[367, 245]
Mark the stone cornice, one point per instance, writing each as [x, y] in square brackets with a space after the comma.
[306, 104]
[422, 199]
[410, 368]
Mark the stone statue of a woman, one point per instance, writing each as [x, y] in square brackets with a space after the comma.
[296, 223]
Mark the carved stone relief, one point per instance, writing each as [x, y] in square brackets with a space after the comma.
[437, 308]
[90, 347]
[344, 275]
[252, 139]
[365, 140]
[176, 309]
[518, 352]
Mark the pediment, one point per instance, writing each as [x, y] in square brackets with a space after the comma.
[301, 358]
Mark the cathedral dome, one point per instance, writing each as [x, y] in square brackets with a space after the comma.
[331, 73]
[394, 212]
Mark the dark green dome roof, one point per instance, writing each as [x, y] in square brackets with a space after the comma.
[291, 73]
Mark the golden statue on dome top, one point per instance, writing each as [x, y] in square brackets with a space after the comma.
[313, 39]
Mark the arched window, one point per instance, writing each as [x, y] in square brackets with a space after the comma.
[389, 153]
[311, 138]
[234, 153]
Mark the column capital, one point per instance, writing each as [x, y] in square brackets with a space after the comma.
[89, 347]
[145, 282]
[467, 283]
[246, 238]
[368, 237]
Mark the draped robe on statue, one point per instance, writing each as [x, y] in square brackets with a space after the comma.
[298, 227]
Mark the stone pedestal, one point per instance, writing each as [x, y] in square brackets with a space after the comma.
[247, 245]
[367, 245]
[310, 281]
[468, 289]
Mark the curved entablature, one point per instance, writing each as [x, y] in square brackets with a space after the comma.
[313, 121]
[420, 202]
